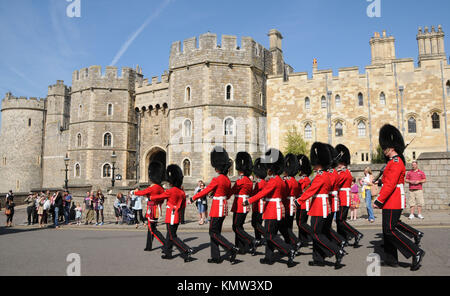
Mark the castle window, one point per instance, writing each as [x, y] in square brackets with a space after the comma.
[29, 121]
[414, 155]
[308, 131]
[110, 109]
[307, 103]
[187, 128]
[4, 160]
[339, 129]
[106, 170]
[323, 102]
[360, 99]
[77, 170]
[448, 88]
[337, 101]
[435, 121]
[261, 99]
[79, 140]
[80, 111]
[361, 129]
[229, 92]
[187, 94]
[382, 99]
[187, 167]
[107, 140]
[412, 129]
[229, 127]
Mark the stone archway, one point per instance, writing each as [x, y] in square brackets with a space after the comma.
[154, 154]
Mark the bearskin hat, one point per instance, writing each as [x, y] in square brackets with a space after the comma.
[220, 160]
[304, 164]
[244, 163]
[390, 137]
[274, 161]
[174, 175]
[320, 155]
[260, 169]
[335, 157]
[156, 172]
[291, 165]
[345, 154]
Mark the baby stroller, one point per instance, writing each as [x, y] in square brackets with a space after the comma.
[127, 216]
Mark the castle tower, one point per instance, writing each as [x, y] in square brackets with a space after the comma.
[56, 136]
[22, 140]
[275, 39]
[217, 97]
[102, 121]
[431, 44]
[382, 48]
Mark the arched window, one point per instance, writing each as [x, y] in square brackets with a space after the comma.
[382, 99]
[29, 121]
[229, 92]
[412, 129]
[337, 100]
[188, 94]
[361, 129]
[308, 131]
[229, 127]
[339, 129]
[448, 88]
[323, 102]
[187, 128]
[106, 170]
[110, 109]
[187, 167]
[435, 121]
[77, 170]
[79, 140]
[360, 99]
[307, 103]
[107, 140]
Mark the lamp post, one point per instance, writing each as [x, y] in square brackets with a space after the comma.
[66, 162]
[113, 161]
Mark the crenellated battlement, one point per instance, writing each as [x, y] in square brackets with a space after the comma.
[93, 77]
[12, 102]
[58, 89]
[155, 83]
[206, 49]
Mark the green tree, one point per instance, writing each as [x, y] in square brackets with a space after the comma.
[295, 143]
[378, 156]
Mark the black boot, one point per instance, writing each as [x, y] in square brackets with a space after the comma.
[417, 259]
[339, 257]
[233, 253]
[188, 256]
[358, 238]
[266, 261]
[214, 261]
[291, 258]
[418, 238]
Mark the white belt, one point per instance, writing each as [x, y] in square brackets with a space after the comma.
[172, 215]
[347, 193]
[279, 210]
[292, 205]
[307, 205]
[220, 199]
[402, 193]
[244, 197]
[324, 198]
[335, 198]
[261, 206]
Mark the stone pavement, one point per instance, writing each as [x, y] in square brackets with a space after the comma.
[432, 218]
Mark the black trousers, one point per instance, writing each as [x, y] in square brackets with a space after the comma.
[304, 230]
[153, 232]
[343, 228]
[286, 230]
[322, 246]
[182, 215]
[243, 240]
[31, 214]
[257, 221]
[215, 230]
[393, 239]
[172, 239]
[273, 241]
[329, 231]
[407, 230]
[136, 218]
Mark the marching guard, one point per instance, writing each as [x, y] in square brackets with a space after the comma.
[273, 194]
[320, 208]
[176, 201]
[156, 176]
[242, 190]
[260, 172]
[221, 186]
[344, 186]
[392, 201]
[304, 230]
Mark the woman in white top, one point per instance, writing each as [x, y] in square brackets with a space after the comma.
[137, 208]
[367, 185]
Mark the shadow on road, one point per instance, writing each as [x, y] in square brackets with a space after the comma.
[9, 230]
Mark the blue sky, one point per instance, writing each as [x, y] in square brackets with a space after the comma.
[40, 44]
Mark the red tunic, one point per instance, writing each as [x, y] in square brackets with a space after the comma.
[344, 184]
[293, 192]
[318, 192]
[176, 201]
[392, 193]
[153, 208]
[221, 186]
[273, 193]
[242, 190]
[334, 198]
[259, 206]
[304, 182]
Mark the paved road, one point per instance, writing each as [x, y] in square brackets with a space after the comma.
[33, 251]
